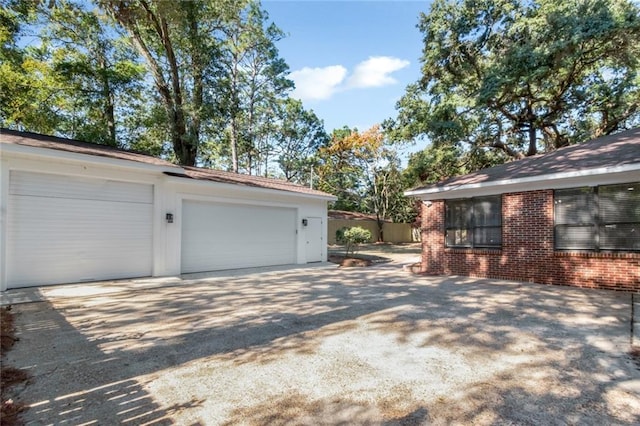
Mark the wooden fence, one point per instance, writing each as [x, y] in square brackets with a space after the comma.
[392, 232]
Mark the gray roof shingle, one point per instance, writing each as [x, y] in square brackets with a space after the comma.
[605, 152]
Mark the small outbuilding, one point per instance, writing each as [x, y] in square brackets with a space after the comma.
[569, 217]
[74, 211]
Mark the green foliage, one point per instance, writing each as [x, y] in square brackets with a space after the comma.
[363, 170]
[179, 48]
[196, 82]
[523, 77]
[79, 81]
[300, 134]
[26, 99]
[351, 237]
[96, 72]
[254, 80]
[439, 162]
[340, 172]
[389, 199]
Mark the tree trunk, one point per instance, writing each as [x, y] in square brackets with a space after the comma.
[235, 110]
[233, 139]
[182, 143]
[185, 148]
[197, 66]
[533, 149]
[108, 101]
[380, 223]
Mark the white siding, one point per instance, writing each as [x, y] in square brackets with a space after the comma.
[227, 236]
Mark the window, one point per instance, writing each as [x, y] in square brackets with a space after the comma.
[598, 218]
[474, 222]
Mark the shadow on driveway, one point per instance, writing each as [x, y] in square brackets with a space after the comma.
[329, 346]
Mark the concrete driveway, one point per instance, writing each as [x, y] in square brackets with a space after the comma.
[328, 346]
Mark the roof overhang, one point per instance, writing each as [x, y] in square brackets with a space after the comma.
[56, 154]
[188, 180]
[174, 174]
[572, 179]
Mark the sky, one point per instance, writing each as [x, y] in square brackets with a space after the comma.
[350, 60]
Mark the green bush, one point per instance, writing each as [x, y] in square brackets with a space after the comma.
[351, 237]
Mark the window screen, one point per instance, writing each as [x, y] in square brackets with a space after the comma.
[474, 222]
[575, 226]
[619, 209]
[598, 218]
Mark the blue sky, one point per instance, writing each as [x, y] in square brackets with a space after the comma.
[350, 60]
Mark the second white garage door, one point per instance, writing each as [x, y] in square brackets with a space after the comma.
[218, 236]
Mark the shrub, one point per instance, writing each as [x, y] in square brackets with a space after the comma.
[351, 237]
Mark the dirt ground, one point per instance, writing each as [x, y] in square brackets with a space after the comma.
[368, 346]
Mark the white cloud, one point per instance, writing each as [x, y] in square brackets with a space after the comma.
[314, 84]
[317, 83]
[375, 72]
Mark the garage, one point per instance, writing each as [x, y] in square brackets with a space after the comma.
[219, 236]
[75, 211]
[64, 229]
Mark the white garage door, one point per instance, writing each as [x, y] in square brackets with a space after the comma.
[66, 229]
[226, 236]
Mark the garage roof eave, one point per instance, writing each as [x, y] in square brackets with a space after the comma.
[182, 178]
[30, 151]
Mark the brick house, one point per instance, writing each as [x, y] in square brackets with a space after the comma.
[569, 217]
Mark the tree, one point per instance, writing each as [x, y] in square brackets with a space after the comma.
[522, 77]
[340, 171]
[439, 162]
[69, 72]
[180, 48]
[254, 78]
[352, 237]
[28, 99]
[299, 136]
[363, 170]
[380, 162]
[97, 73]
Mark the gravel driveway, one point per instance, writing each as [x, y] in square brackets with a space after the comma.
[330, 346]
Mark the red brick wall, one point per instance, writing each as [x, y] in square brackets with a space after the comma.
[527, 252]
